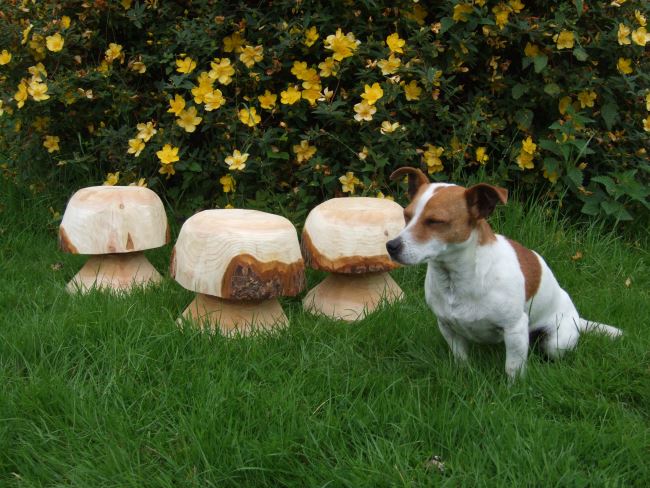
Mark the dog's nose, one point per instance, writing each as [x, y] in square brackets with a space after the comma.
[394, 246]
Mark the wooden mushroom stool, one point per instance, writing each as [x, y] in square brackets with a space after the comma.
[347, 237]
[238, 262]
[113, 224]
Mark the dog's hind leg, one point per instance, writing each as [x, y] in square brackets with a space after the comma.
[561, 336]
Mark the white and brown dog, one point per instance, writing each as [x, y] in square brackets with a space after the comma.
[481, 286]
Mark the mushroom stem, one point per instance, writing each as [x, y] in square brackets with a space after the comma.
[119, 272]
[351, 297]
[235, 316]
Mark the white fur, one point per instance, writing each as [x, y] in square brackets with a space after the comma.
[477, 292]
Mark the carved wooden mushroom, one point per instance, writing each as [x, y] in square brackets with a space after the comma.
[113, 224]
[238, 262]
[347, 237]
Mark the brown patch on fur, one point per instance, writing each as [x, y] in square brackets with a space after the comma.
[64, 242]
[246, 278]
[530, 267]
[172, 263]
[445, 217]
[485, 233]
[416, 179]
[348, 265]
[129, 242]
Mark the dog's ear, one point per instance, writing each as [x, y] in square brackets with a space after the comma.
[416, 178]
[482, 198]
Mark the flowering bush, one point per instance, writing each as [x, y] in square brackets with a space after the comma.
[231, 103]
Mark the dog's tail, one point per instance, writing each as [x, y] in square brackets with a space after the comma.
[589, 326]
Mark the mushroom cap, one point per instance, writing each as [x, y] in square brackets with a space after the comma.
[113, 219]
[349, 235]
[238, 254]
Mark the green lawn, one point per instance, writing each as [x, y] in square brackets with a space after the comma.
[103, 390]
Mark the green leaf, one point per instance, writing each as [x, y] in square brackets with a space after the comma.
[277, 155]
[552, 146]
[540, 63]
[616, 210]
[580, 54]
[609, 113]
[579, 6]
[195, 167]
[518, 90]
[445, 24]
[575, 175]
[607, 182]
[524, 118]
[552, 89]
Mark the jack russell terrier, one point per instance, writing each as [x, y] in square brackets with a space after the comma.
[480, 285]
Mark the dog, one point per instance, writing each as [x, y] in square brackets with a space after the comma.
[482, 286]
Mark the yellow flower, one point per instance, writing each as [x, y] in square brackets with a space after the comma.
[501, 13]
[516, 5]
[564, 40]
[290, 96]
[349, 182]
[141, 182]
[185, 65]
[647, 101]
[311, 80]
[461, 11]
[228, 183]
[432, 158]
[388, 128]
[168, 154]
[528, 146]
[65, 22]
[113, 52]
[237, 161]
[329, 67]
[167, 169]
[624, 66]
[343, 46]
[389, 66]
[481, 157]
[311, 35]
[640, 18]
[364, 111]
[395, 44]
[135, 147]
[564, 104]
[525, 160]
[214, 100]
[552, 177]
[640, 36]
[384, 197]
[5, 57]
[418, 14]
[145, 131]
[38, 71]
[249, 116]
[21, 95]
[646, 124]
[304, 151]
[26, 32]
[299, 69]
[623, 34]
[54, 43]
[138, 67]
[531, 50]
[188, 119]
[38, 90]
[267, 100]
[221, 71]
[112, 179]
[51, 143]
[205, 87]
[412, 91]
[251, 55]
[587, 98]
[233, 42]
[126, 4]
[176, 105]
[372, 93]
[311, 96]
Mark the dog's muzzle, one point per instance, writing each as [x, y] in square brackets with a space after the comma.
[394, 248]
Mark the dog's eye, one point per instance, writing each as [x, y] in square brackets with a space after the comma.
[433, 222]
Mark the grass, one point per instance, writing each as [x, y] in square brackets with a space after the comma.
[103, 390]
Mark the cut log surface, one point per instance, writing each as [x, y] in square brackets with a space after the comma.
[232, 317]
[113, 219]
[118, 272]
[351, 297]
[238, 254]
[349, 235]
